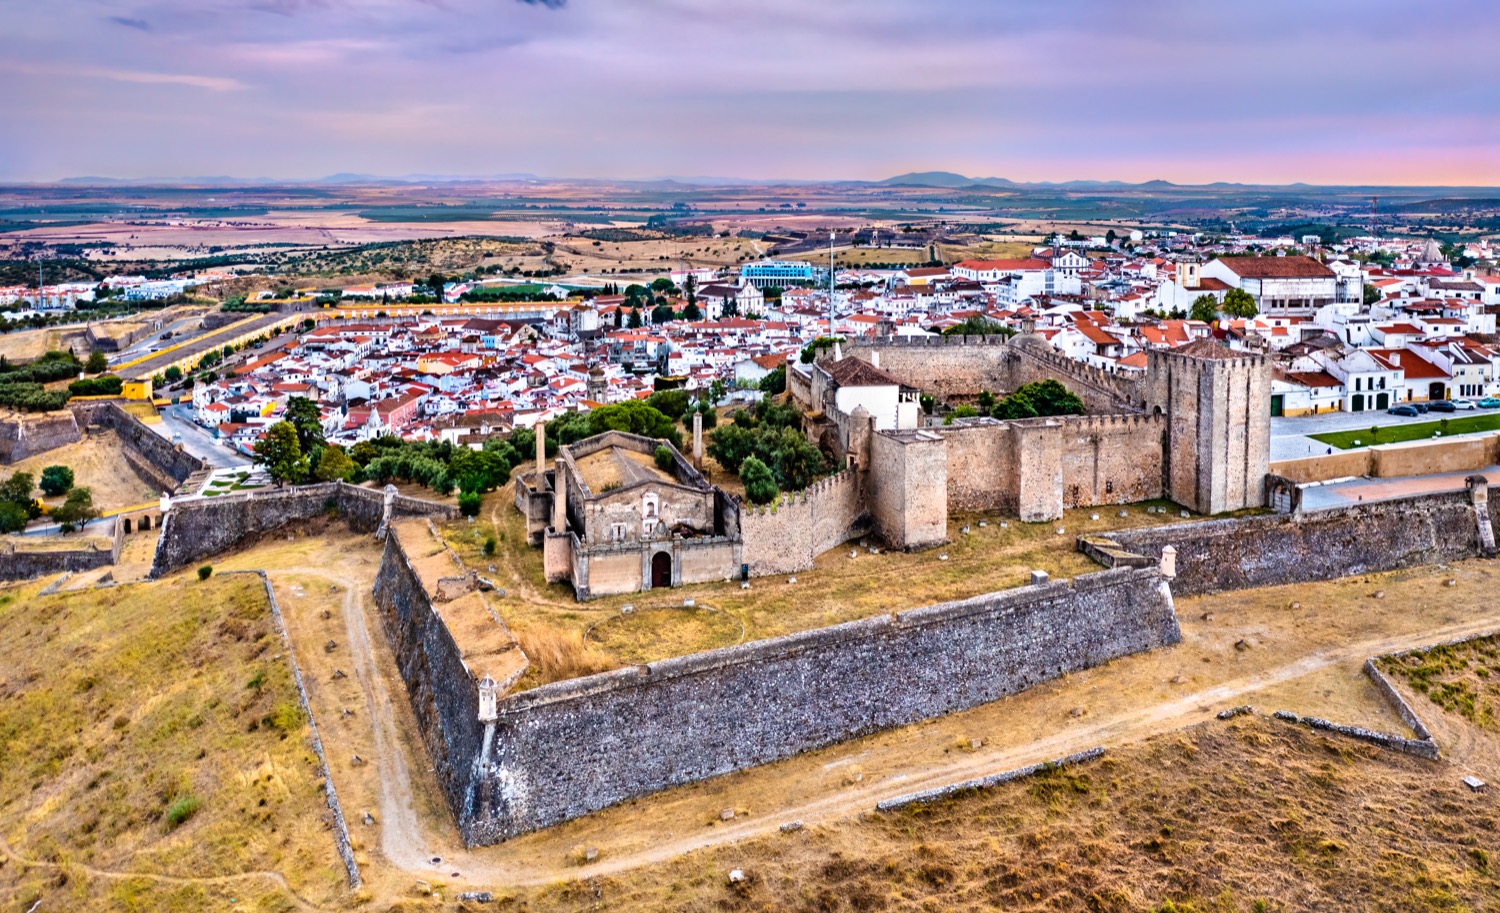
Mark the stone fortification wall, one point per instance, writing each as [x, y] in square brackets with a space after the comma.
[1234, 554]
[802, 525]
[1111, 459]
[1464, 454]
[907, 486]
[148, 453]
[567, 749]
[443, 691]
[26, 435]
[963, 366]
[24, 565]
[196, 529]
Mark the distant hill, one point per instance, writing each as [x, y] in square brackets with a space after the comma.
[943, 179]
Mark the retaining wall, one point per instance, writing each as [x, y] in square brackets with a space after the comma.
[25, 435]
[1235, 554]
[24, 565]
[563, 750]
[150, 454]
[195, 529]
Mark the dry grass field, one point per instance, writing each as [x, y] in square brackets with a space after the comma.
[1241, 817]
[847, 583]
[156, 754]
[98, 465]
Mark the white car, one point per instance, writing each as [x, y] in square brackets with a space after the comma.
[1464, 405]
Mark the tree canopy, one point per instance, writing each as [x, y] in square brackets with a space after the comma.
[1240, 304]
[1205, 308]
[281, 453]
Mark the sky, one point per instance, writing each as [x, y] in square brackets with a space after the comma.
[1257, 91]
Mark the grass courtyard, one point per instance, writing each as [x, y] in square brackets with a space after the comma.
[1414, 431]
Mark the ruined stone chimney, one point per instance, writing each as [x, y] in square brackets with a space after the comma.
[559, 499]
[874, 358]
[541, 454]
[698, 441]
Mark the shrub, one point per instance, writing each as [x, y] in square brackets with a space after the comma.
[56, 480]
[760, 484]
[205, 572]
[287, 716]
[489, 547]
[469, 503]
[182, 809]
[107, 385]
[664, 458]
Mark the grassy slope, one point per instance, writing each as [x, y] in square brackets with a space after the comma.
[116, 704]
[1416, 431]
[1245, 816]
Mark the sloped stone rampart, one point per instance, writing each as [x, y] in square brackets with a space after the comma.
[563, 750]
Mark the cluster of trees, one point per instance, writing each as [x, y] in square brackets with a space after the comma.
[812, 350]
[295, 451]
[1238, 303]
[768, 451]
[21, 387]
[18, 507]
[106, 385]
[1033, 400]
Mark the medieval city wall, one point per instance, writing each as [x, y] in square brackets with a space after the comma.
[199, 528]
[906, 488]
[24, 435]
[25, 565]
[947, 366]
[789, 534]
[441, 688]
[1111, 459]
[982, 466]
[570, 748]
[1235, 554]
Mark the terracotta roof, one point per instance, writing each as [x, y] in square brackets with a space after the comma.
[1277, 267]
[853, 372]
[1207, 348]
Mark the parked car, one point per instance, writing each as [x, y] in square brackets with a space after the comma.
[1403, 410]
[1442, 405]
[1489, 402]
[1420, 407]
[1463, 405]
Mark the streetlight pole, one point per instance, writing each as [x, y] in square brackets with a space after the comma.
[830, 285]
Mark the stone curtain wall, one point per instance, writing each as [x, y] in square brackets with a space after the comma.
[148, 453]
[23, 435]
[1112, 459]
[1235, 554]
[907, 485]
[567, 749]
[197, 529]
[803, 525]
[442, 690]
[23, 565]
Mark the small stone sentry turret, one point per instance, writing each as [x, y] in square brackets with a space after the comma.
[488, 712]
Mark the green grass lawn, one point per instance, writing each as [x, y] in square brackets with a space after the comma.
[1415, 431]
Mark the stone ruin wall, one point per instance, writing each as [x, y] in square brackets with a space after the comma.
[197, 529]
[803, 525]
[567, 749]
[152, 456]
[1112, 459]
[1235, 554]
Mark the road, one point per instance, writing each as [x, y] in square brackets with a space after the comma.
[177, 421]
[1289, 436]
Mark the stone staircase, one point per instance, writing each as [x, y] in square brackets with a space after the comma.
[194, 483]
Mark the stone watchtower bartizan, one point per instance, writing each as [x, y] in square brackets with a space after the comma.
[1218, 435]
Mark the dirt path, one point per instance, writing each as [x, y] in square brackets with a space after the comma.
[273, 877]
[409, 841]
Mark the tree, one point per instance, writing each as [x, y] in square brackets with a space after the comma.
[172, 375]
[17, 490]
[333, 464]
[1205, 308]
[97, 363]
[664, 457]
[13, 518]
[662, 313]
[1240, 303]
[305, 416]
[774, 383]
[691, 312]
[469, 503]
[56, 480]
[281, 453]
[671, 403]
[635, 318]
[760, 485]
[633, 416]
[1372, 295]
[76, 511]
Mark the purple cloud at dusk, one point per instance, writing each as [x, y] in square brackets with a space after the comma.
[1339, 91]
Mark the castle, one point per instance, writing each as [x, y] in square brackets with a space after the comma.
[1195, 429]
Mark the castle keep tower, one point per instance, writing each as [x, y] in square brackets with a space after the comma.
[1216, 401]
